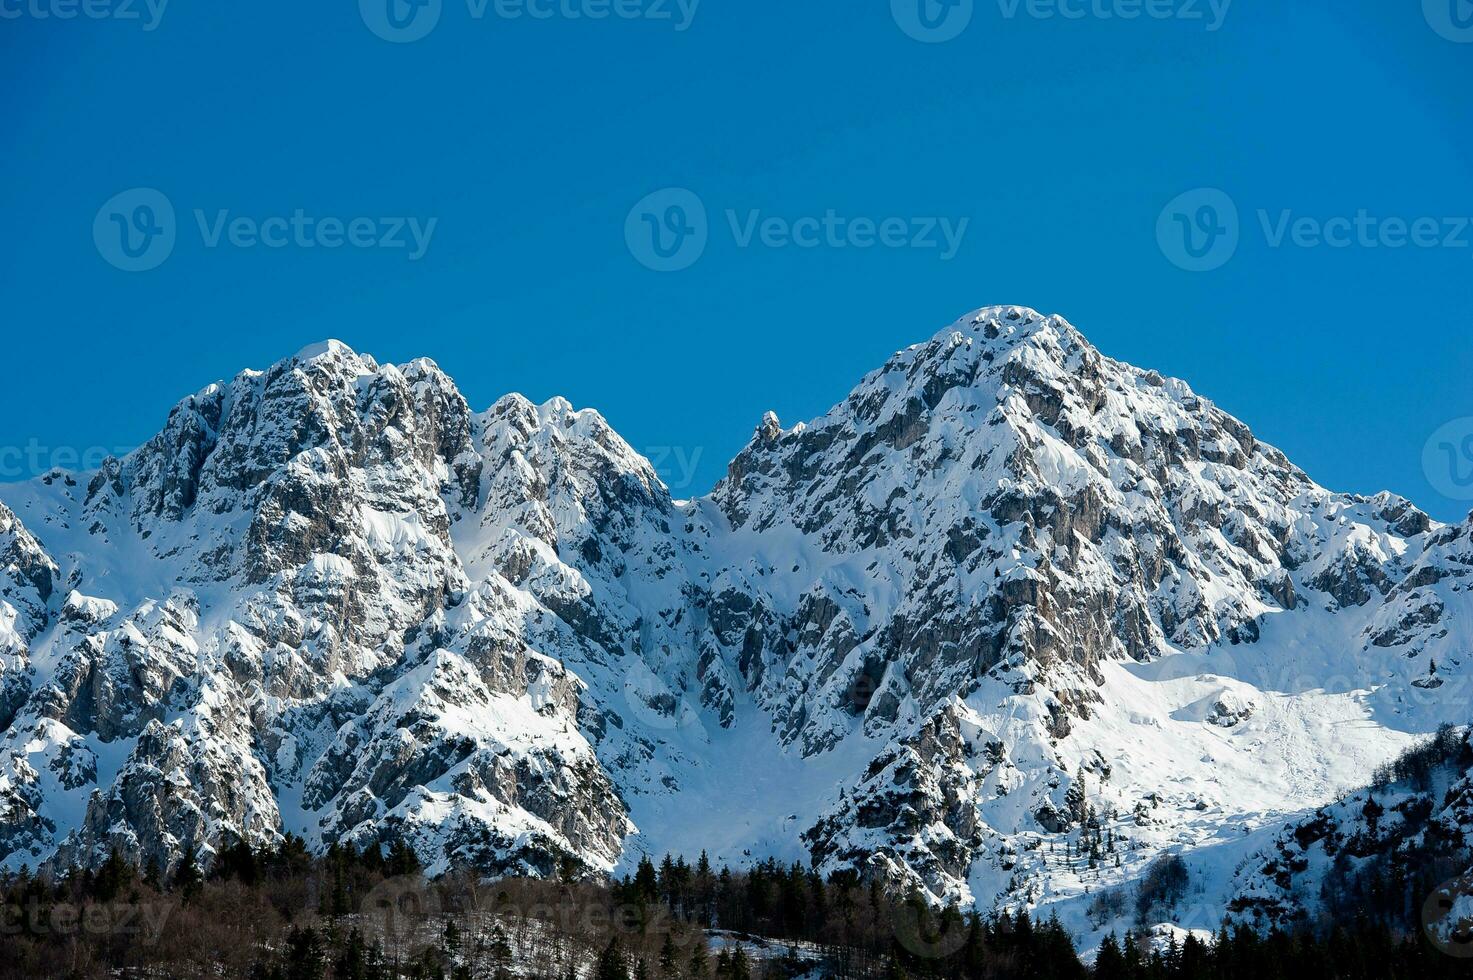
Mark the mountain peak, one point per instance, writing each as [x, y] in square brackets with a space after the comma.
[770, 428]
[323, 348]
[1009, 326]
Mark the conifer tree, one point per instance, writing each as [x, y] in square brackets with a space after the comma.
[667, 956]
[697, 966]
[611, 964]
[740, 967]
[186, 875]
[1109, 963]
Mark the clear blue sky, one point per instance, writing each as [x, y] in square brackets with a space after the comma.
[529, 140]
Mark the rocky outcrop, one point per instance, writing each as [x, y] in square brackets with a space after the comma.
[28, 583]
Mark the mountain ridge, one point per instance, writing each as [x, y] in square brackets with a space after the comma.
[984, 604]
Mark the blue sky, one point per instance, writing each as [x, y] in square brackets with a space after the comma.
[1060, 141]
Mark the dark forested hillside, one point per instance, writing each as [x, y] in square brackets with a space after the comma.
[1379, 854]
[287, 915]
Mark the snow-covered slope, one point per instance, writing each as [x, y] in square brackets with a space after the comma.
[1399, 849]
[1008, 596]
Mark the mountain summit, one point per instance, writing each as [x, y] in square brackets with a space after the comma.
[1006, 623]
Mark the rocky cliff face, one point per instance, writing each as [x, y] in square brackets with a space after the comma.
[283, 637]
[1007, 594]
[27, 584]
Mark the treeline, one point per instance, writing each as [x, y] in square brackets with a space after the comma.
[285, 914]
[1450, 747]
[854, 928]
[859, 925]
[1359, 952]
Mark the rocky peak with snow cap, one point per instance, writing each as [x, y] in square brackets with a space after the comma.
[1008, 595]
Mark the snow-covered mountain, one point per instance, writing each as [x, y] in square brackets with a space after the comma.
[1009, 597]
